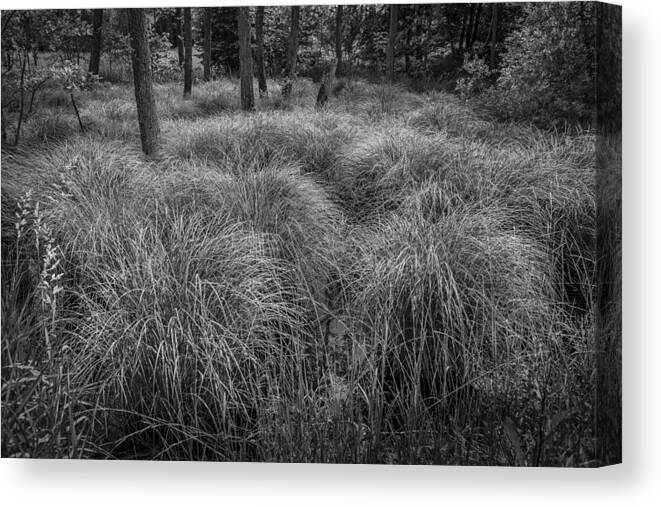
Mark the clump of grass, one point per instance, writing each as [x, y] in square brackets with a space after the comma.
[48, 126]
[377, 102]
[272, 199]
[210, 140]
[214, 98]
[171, 312]
[371, 171]
[448, 299]
[310, 140]
[188, 318]
[443, 112]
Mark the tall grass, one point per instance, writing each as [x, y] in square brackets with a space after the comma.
[391, 279]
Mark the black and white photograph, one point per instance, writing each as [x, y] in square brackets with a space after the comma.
[346, 234]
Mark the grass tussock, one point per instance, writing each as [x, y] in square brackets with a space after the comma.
[446, 298]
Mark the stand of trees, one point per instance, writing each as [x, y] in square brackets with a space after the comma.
[536, 61]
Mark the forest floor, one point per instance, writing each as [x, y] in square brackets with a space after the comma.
[392, 279]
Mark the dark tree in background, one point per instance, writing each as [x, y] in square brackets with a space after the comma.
[178, 30]
[392, 35]
[144, 98]
[207, 44]
[338, 40]
[494, 35]
[292, 51]
[476, 25]
[224, 40]
[188, 53]
[259, 52]
[245, 60]
[95, 53]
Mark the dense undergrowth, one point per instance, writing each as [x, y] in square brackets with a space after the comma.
[393, 279]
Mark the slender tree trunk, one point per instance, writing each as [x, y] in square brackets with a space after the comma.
[245, 60]
[476, 25]
[144, 98]
[188, 53]
[469, 28]
[390, 50]
[338, 40]
[292, 52]
[207, 43]
[22, 103]
[75, 108]
[179, 35]
[97, 31]
[463, 29]
[77, 41]
[259, 52]
[494, 35]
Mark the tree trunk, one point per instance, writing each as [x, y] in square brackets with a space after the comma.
[469, 28]
[326, 86]
[245, 60]
[338, 40]
[476, 25]
[390, 51]
[97, 29]
[494, 35]
[608, 313]
[259, 52]
[463, 29]
[22, 103]
[144, 97]
[292, 52]
[179, 35]
[75, 108]
[207, 43]
[188, 53]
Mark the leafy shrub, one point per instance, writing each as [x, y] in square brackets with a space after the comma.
[164, 63]
[477, 79]
[546, 73]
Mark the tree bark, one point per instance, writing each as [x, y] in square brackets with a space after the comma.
[179, 35]
[292, 52]
[144, 98]
[207, 43]
[97, 30]
[338, 40]
[245, 60]
[390, 50]
[259, 52]
[494, 35]
[188, 53]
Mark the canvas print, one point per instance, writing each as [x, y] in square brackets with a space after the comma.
[380, 233]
